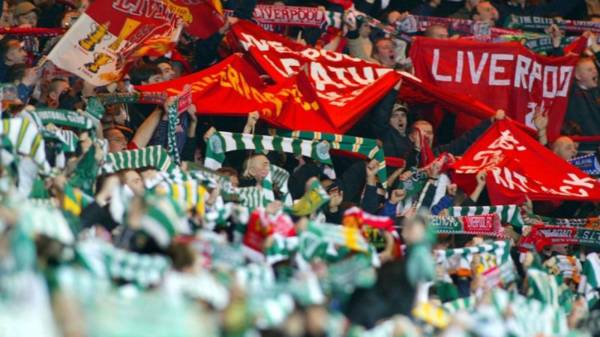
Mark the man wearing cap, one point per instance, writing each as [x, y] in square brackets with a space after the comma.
[25, 14]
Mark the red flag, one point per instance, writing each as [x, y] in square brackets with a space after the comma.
[505, 76]
[519, 166]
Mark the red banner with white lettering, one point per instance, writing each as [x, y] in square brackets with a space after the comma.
[518, 166]
[505, 76]
[344, 87]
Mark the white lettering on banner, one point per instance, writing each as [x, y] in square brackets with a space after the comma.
[496, 69]
[523, 64]
[507, 141]
[476, 74]
[487, 158]
[490, 158]
[527, 73]
[434, 68]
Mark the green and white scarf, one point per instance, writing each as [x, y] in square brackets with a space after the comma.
[172, 120]
[151, 156]
[465, 303]
[105, 261]
[543, 287]
[509, 214]
[163, 219]
[61, 117]
[26, 140]
[364, 146]
[222, 142]
[591, 284]
[68, 139]
[47, 220]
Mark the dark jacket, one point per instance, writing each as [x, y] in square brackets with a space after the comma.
[394, 143]
[584, 109]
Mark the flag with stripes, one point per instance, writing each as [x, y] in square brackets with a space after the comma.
[25, 139]
[543, 287]
[67, 138]
[591, 279]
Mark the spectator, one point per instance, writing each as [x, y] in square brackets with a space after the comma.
[583, 108]
[485, 12]
[11, 53]
[565, 148]
[437, 32]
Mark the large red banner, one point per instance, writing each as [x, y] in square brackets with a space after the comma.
[505, 76]
[519, 166]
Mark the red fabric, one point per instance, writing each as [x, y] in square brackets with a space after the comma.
[426, 153]
[519, 166]
[205, 17]
[132, 146]
[506, 76]
[330, 94]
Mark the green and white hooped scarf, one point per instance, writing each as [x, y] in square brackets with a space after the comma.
[364, 146]
[223, 142]
[151, 156]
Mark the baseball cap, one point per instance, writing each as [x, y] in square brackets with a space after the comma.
[24, 8]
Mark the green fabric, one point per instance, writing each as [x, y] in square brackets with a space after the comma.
[85, 173]
[61, 117]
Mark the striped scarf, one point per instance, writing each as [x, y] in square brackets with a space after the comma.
[26, 140]
[509, 214]
[171, 131]
[189, 194]
[590, 284]
[163, 219]
[253, 197]
[319, 240]
[487, 225]
[222, 142]
[68, 138]
[151, 156]
[530, 317]
[591, 222]
[499, 248]
[363, 146]
[103, 260]
[47, 220]
[543, 287]
[67, 118]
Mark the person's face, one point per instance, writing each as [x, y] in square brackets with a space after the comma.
[116, 140]
[6, 18]
[30, 19]
[439, 33]
[134, 181]
[260, 167]
[486, 12]
[167, 71]
[398, 121]
[386, 54]
[586, 74]
[60, 87]
[15, 54]
[364, 30]
[393, 17]
[566, 149]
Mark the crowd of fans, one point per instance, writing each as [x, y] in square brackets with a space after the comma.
[89, 251]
